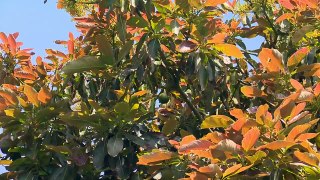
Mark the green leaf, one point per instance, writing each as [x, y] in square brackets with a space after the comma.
[114, 146]
[122, 108]
[215, 121]
[121, 28]
[63, 173]
[153, 48]
[137, 21]
[125, 49]
[99, 154]
[85, 63]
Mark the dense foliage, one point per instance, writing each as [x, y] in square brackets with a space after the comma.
[167, 90]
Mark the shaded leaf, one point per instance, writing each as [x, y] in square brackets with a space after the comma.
[85, 63]
[186, 47]
[114, 146]
[231, 170]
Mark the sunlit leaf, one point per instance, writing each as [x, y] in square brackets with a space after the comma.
[296, 131]
[307, 158]
[296, 84]
[9, 95]
[251, 91]
[285, 16]
[216, 121]
[275, 145]
[217, 38]
[5, 162]
[156, 156]
[250, 138]
[297, 57]
[231, 170]
[31, 94]
[195, 145]
[44, 95]
[214, 2]
[229, 50]
[271, 59]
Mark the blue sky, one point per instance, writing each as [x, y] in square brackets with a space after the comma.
[39, 25]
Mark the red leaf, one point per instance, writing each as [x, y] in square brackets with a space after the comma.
[195, 145]
[250, 138]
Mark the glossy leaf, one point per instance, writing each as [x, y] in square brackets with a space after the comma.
[251, 91]
[271, 59]
[195, 145]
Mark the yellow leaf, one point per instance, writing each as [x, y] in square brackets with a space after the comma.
[31, 94]
[5, 162]
[216, 121]
[214, 2]
[229, 50]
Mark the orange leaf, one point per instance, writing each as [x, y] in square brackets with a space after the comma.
[9, 95]
[237, 113]
[44, 95]
[155, 156]
[306, 136]
[214, 2]
[287, 4]
[277, 145]
[251, 91]
[297, 109]
[214, 137]
[211, 169]
[316, 90]
[4, 38]
[197, 176]
[284, 17]
[217, 38]
[229, 50]
[187, 140]
[239, 124]
[250, 138]
[24, 75]
[296, 84]
[296, 131]
[231, 170]
[140, 93]
[31, 94]
[271, 59]
[195, 145]
[297, 57]
[307, 158]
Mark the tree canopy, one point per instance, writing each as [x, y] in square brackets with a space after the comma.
[167, 90]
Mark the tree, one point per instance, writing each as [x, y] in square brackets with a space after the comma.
[167, 89]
